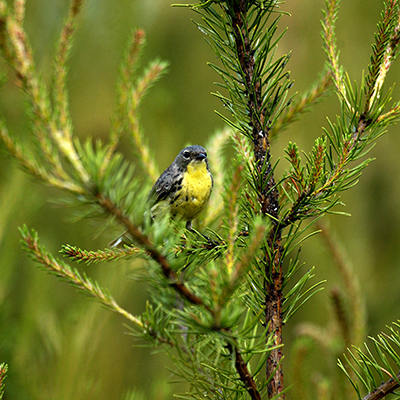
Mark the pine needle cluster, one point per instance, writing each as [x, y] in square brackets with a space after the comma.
[218, 300]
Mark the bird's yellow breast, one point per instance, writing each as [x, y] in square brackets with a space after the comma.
[195, 192]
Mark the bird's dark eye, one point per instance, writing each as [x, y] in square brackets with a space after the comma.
[186, 154]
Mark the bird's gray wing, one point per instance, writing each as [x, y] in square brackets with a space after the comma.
[162, 187]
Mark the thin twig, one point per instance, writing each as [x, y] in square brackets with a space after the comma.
[244, 373]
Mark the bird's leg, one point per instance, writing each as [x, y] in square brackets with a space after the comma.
[189, 226]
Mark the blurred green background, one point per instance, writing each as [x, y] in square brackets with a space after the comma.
[59, 344]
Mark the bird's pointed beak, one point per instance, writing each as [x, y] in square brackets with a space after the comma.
[201, 156]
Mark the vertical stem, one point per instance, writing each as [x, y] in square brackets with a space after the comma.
[268, 198]
[273, 312]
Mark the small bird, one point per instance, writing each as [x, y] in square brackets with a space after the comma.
[184, 188]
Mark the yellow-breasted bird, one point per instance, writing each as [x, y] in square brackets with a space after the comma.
[184, 188]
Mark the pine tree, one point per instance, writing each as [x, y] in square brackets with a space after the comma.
[219, 299]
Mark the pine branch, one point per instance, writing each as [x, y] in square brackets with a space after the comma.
[391, 115]
[73, 277]
[370, 368]
[154, 254]
[131, 94]
[296, 108]
[19, 10]
[92, 257]
[88, 287]
[329, 37]
[310, 197]
[51, 139]
[23, 157]
[232, 205]
[128, 69]
[384, 389]
[60, 93]
[232, 273]
[244, 373]
[241, 265]
[384, 52]
[257, 90]
[179, 286]
[18, 54]
[268, 196]
[154, 71]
